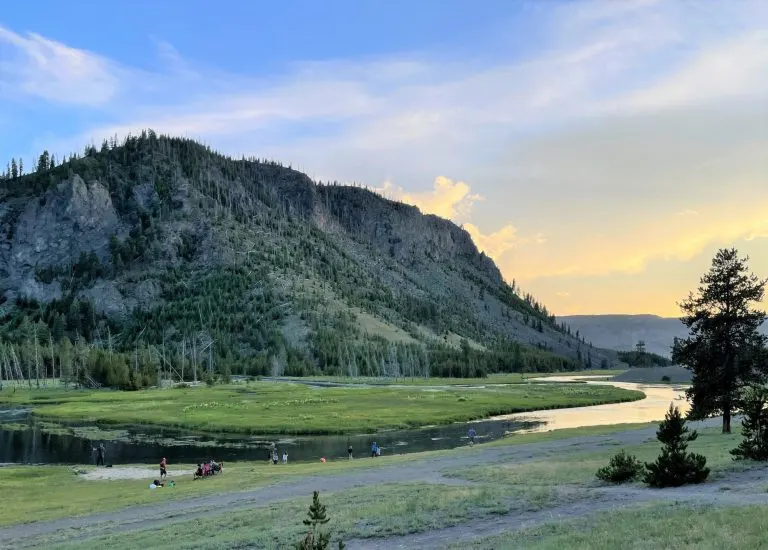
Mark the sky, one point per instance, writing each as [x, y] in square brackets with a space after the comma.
[600, 152]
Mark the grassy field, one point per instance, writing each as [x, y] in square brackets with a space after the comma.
[266, 407]
[507, 488]
[52, 492]
[646, 528]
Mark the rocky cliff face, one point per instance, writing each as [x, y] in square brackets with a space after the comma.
[53, 230]
[403, 232]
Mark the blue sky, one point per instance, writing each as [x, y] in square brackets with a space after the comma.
[585, 145]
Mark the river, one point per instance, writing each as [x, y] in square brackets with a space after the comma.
[23, 439]
[651, 409]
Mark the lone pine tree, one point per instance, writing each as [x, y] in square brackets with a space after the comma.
[675, 466]
[724, 343]
[316, 516]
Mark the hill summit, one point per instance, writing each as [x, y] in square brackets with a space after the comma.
[162, 250]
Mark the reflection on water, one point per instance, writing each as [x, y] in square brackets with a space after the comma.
[650, 409]
[24, 440]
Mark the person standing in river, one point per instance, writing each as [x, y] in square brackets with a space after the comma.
[102, 452]
[349, 451]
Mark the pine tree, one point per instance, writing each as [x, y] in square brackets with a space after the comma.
[316, 516]
[754, 425]
[43, 163]
[724, 342]
[14, 169]
[674, 466]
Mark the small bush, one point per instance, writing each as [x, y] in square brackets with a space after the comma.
[666, 379]
[622, 467]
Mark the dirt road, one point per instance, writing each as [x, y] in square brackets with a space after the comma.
[427, 469]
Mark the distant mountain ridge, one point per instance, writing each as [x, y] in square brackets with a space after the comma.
[622, 332]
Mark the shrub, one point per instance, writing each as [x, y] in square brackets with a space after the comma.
[754, 425]
[666, 379]
[674, 466]
[622, 467]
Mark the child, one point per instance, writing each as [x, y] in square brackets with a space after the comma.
[285, 457]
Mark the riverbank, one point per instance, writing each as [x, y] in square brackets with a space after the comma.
[535, 491]
[491, 379]
[277, 408]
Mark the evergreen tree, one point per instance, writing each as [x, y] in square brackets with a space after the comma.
[14, 169]
[59, 326]
[754, 425]
[724, 341]
[43, 162]
[21, 167]
[315, 540]
[674, 466]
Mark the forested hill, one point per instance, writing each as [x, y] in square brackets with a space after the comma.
[164, 255]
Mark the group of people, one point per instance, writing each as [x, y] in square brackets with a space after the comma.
[275, 457]
[375, 450]
[99, 454]
[205, 469]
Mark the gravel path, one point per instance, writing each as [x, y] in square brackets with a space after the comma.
[427, 470]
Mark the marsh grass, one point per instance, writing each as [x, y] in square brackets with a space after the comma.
[270, 408]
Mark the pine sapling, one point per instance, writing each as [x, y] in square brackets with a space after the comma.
[674, 466]
[316, 516]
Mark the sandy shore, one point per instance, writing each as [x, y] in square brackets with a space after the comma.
[131, 472]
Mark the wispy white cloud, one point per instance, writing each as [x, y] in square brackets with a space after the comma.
[47, 69]
[738, 67]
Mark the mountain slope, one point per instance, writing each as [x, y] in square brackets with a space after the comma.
[622, 332]
[161, 247]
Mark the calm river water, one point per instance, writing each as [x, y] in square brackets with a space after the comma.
[25, 440]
